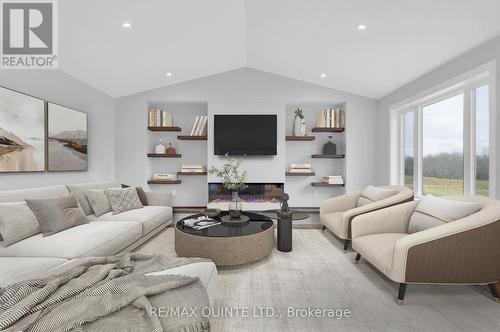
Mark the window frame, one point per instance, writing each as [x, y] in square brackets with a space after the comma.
[465, 84]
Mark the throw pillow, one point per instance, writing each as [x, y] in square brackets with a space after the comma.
[17, 222]
[141, 193]
[122, 200]
[373, 194]
[99, 202]
[57, 214]
[433, 211]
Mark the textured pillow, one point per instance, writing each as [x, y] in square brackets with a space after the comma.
[433, 211]
[122, 200]
[372, 194]
[99, 202]
[17, 222]
[141, 193]
[57, 214]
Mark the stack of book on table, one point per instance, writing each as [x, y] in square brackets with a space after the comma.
[300, 168]
[199, 125]
[331, 118]
[333, 179]
[192, 169]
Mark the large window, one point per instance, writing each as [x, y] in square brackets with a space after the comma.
[441, 142]
[442, 147]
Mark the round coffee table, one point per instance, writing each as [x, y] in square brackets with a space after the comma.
[227, 244]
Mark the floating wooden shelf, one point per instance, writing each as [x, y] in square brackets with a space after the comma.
[150, 128]
[322, 184]
[300, 138]
[299, 174]
[192, 138]
[332, 156]
[162, 155]
[164, 182]
[191, 173]
[327, 130]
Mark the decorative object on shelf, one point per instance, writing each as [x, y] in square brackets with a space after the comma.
[232, 180]
[160, 148]
[67, 139]
[300, 168]
[199, 125]
[332, 179]
[171, 150]
[331, 118]
[153, 117]
[22, 132]
[166, 119]
[329, 147]
[299, 128]
[212, 213]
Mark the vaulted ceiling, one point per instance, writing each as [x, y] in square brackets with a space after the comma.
[296, 38]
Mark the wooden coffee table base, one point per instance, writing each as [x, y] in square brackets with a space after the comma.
[226, 251]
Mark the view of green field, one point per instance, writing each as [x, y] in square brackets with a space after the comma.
[448, 187]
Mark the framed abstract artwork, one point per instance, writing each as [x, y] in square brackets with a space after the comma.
[67, 139]
[22, 132]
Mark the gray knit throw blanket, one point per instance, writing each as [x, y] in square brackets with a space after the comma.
[107, 294]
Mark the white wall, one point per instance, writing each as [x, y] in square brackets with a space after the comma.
[243, 89]
[483, 54]
[58, 87]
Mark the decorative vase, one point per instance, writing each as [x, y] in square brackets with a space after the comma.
[299, 127]
[330, 147]
[160, 148]
[171, 150]
[235, 205]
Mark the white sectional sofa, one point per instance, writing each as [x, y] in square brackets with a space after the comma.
[103, 236]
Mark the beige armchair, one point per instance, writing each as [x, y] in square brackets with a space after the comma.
[337, 213]
[464, 251]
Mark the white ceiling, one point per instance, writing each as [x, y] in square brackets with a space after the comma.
[294, 38]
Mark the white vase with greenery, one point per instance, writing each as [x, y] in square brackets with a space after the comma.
[234, 181]
[299, 128]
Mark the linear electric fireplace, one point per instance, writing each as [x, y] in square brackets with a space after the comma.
[257, 197]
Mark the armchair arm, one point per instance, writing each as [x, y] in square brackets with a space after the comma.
[465, 251]
[159, 198]
[393, 219]
[339, 204]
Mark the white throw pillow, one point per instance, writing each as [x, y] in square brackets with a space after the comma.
[99, 202]
[17, 222]
[122, 200]
[434, 211]
[373, 194]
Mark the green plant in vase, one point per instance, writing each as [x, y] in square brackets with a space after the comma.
[234, 180]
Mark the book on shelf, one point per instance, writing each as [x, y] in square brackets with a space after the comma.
[199, 125]
[166, 119]
[331, 118]
[165, 177]
[300, 166]
[332, 179]
[195, 125]
[152, 117]
[192, 166]
[300, 170]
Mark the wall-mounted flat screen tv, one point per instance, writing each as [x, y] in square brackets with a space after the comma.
[245, 134]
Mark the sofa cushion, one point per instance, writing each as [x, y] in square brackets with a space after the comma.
[373, 194]
[80, 191]
[17, 222]
[150, 217]
[57, 214]
[14, 269]
[92, 239]
[19, 195]
[123, 199]
[99, 202]
[434, 211]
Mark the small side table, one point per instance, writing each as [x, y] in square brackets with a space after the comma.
[285, 228]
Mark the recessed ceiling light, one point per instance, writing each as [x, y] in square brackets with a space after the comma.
[322, 75]
[168, 74]
[361, 27]
[126, 25]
